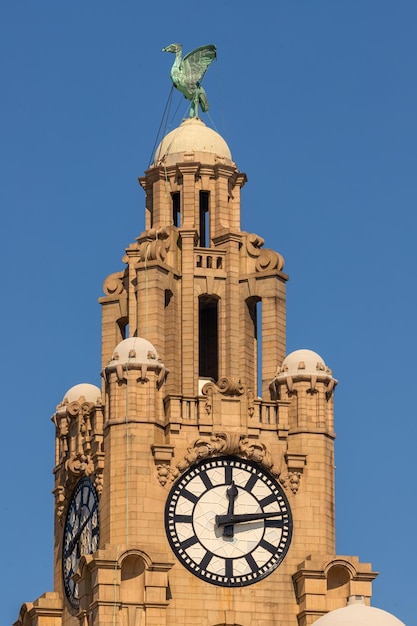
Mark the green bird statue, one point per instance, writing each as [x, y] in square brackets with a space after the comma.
[187, 74]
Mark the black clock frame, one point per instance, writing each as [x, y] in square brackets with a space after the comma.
[258, 573]
[84, 482]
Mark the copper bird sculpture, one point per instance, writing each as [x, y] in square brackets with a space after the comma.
[187, 74]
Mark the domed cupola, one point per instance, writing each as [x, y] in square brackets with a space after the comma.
[134, 353]
[134, 377]
[356, 613]
[192, 141]
[304, 365]
[193, 183]
[82, 391]
[78, 421]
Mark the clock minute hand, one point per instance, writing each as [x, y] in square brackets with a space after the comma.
[79, 533]
[224, 520]
[231, 492]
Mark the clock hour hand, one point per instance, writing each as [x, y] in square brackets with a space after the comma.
[75, 539]
[231, 492]
[226, 520]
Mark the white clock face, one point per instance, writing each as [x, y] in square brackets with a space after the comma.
[81, 534]
[228, 521]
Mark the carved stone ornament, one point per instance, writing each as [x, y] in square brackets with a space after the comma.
[164, 473]
[114, 284]
[269, 260]
[250, 400]
[225, 386]
[254, 244]
[217, 444]
[266, 259]
[122, 370]
[291, 481]
[154, 245]
[74, 454]
[59, 494]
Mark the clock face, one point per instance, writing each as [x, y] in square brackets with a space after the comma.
[228, 521]
[81, 534]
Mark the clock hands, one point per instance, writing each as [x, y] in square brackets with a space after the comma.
[223, 520]
[75, 539]
[231, 492]
[230, 519]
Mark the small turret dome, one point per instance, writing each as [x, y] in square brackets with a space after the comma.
[303, 362]
[91, 393]
[189, 142]
[135, 351]
[358, 615]
[304, 365]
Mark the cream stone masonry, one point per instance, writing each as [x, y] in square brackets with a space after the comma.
[181, 328]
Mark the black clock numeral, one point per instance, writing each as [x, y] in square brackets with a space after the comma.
[187, 519]
[190, 496]
[274, 523]
[268, 500]
[251, 562]
[229, 568]
[228, 474]
[206, 480]
[206, 560]
[251, 482]
[189, 542]
[268, 546]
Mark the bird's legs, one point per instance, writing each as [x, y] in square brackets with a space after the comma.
[194, 105]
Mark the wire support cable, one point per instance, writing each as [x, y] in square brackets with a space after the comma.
[164, 120]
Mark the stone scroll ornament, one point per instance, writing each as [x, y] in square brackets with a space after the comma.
[220, 444]
[188, 72]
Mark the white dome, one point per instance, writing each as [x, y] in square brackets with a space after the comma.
[358, 615]
[90, 392]
[189, 141]
[305, 362]
[135, 351]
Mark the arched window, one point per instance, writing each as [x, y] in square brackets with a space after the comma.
[132, 579]
[338, 582]
[208, 337]
[176, 208]
[204, 220]
[254, 358]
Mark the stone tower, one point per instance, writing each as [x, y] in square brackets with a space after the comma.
[197, 488]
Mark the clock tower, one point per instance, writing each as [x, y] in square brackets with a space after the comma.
[197, 486]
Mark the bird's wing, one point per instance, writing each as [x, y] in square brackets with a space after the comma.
[195, 63]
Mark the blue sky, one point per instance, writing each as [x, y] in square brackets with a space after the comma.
[317, 100]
